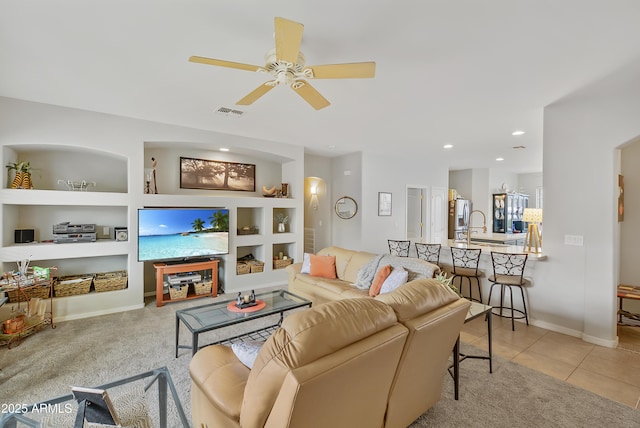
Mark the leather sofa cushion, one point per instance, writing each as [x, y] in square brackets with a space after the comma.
[358, 260]
[418, 297]
[334, 285]
[219, 374]
[304, 337]
[343, 256]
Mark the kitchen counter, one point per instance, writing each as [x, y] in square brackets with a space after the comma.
[498, 237]
[488, 247]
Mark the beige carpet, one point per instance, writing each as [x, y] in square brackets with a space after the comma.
[98, 350]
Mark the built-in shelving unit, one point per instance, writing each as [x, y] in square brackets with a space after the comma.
[50, 204]
[65, 145]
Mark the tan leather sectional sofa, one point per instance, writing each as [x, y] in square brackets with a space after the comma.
[348, 265]
[365, 362]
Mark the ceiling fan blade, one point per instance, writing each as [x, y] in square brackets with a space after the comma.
[356, 70]
[222, 63]
[310, 95]
[255, 94]
[288, 37]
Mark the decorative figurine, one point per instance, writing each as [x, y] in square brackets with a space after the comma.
[239, 300]
[252, 297]
[155, 182]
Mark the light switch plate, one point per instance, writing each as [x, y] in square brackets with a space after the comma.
[574, 240]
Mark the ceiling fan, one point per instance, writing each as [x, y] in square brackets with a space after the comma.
[287, 65]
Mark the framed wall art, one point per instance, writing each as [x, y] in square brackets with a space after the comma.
[384, 203]
[217, 175]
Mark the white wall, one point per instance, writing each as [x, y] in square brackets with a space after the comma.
[576, 285]
[319, 219]
[393, 173]
[462, 180]
[347, 180]
[528, 183]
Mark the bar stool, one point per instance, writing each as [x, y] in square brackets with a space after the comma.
[429, 252]
[508, 272]
[465, 265]
[399, 248]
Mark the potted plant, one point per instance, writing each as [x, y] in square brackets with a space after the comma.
[22, 180]
[448, 281]
[281, 219]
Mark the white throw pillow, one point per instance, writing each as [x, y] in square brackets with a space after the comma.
[306, 263]
[396, 278]
[247, 351]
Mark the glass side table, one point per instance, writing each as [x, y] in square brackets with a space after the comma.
[475, 310]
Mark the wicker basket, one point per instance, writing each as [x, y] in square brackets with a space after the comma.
[110, 281]
[32, 291]
[202, 287]
[174, 293]
[242, 268]
[281, 264]
[72, 285]
[256, 266]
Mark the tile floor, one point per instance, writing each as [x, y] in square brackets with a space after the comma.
[612, 373]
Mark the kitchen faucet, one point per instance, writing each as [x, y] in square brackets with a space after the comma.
[484, 225]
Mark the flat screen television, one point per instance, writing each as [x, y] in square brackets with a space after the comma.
[182, 234]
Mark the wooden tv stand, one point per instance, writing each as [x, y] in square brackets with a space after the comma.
[163, 269]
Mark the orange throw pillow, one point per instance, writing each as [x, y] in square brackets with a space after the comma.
[382, 274]
[323, 266]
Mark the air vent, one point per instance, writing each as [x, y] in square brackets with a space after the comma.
[226, 111]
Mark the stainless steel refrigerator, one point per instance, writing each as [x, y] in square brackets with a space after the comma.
[459, 211]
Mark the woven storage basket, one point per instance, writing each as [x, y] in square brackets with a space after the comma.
[203, 287]
[280, 264]
[256, 266]
[72, 285]
[174, 293]
[242, 268]
[110, 281]
[39, 291]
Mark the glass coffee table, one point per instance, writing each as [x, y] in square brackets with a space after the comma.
[201, 319]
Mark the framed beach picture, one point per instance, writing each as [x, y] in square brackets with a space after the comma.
[216, 175]
[384, 203]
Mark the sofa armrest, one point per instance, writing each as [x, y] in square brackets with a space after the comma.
[293, 270]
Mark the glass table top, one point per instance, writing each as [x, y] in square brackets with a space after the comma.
[215, 315]
[475, 310]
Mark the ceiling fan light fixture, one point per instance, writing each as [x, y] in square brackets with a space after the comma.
[287, 65]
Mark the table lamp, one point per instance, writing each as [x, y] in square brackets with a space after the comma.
[533, 216]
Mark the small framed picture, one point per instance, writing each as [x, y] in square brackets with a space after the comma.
[384, 203]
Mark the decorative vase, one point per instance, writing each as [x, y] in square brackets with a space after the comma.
[280, 227]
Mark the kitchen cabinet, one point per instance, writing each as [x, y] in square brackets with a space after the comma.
[507, 212]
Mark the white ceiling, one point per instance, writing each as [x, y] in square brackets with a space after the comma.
[465, 72]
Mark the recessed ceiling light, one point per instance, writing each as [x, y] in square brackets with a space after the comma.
[499, 159]
[332, 146]
[448, 146]
[516, 133]
[224, 149]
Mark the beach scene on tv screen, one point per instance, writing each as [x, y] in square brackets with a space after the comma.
[182, 233]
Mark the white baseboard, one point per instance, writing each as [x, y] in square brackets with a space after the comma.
[98, 313]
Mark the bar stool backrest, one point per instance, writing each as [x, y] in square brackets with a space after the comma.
[399, 248]
[429, 252]
[465, 258]
[508, 267]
